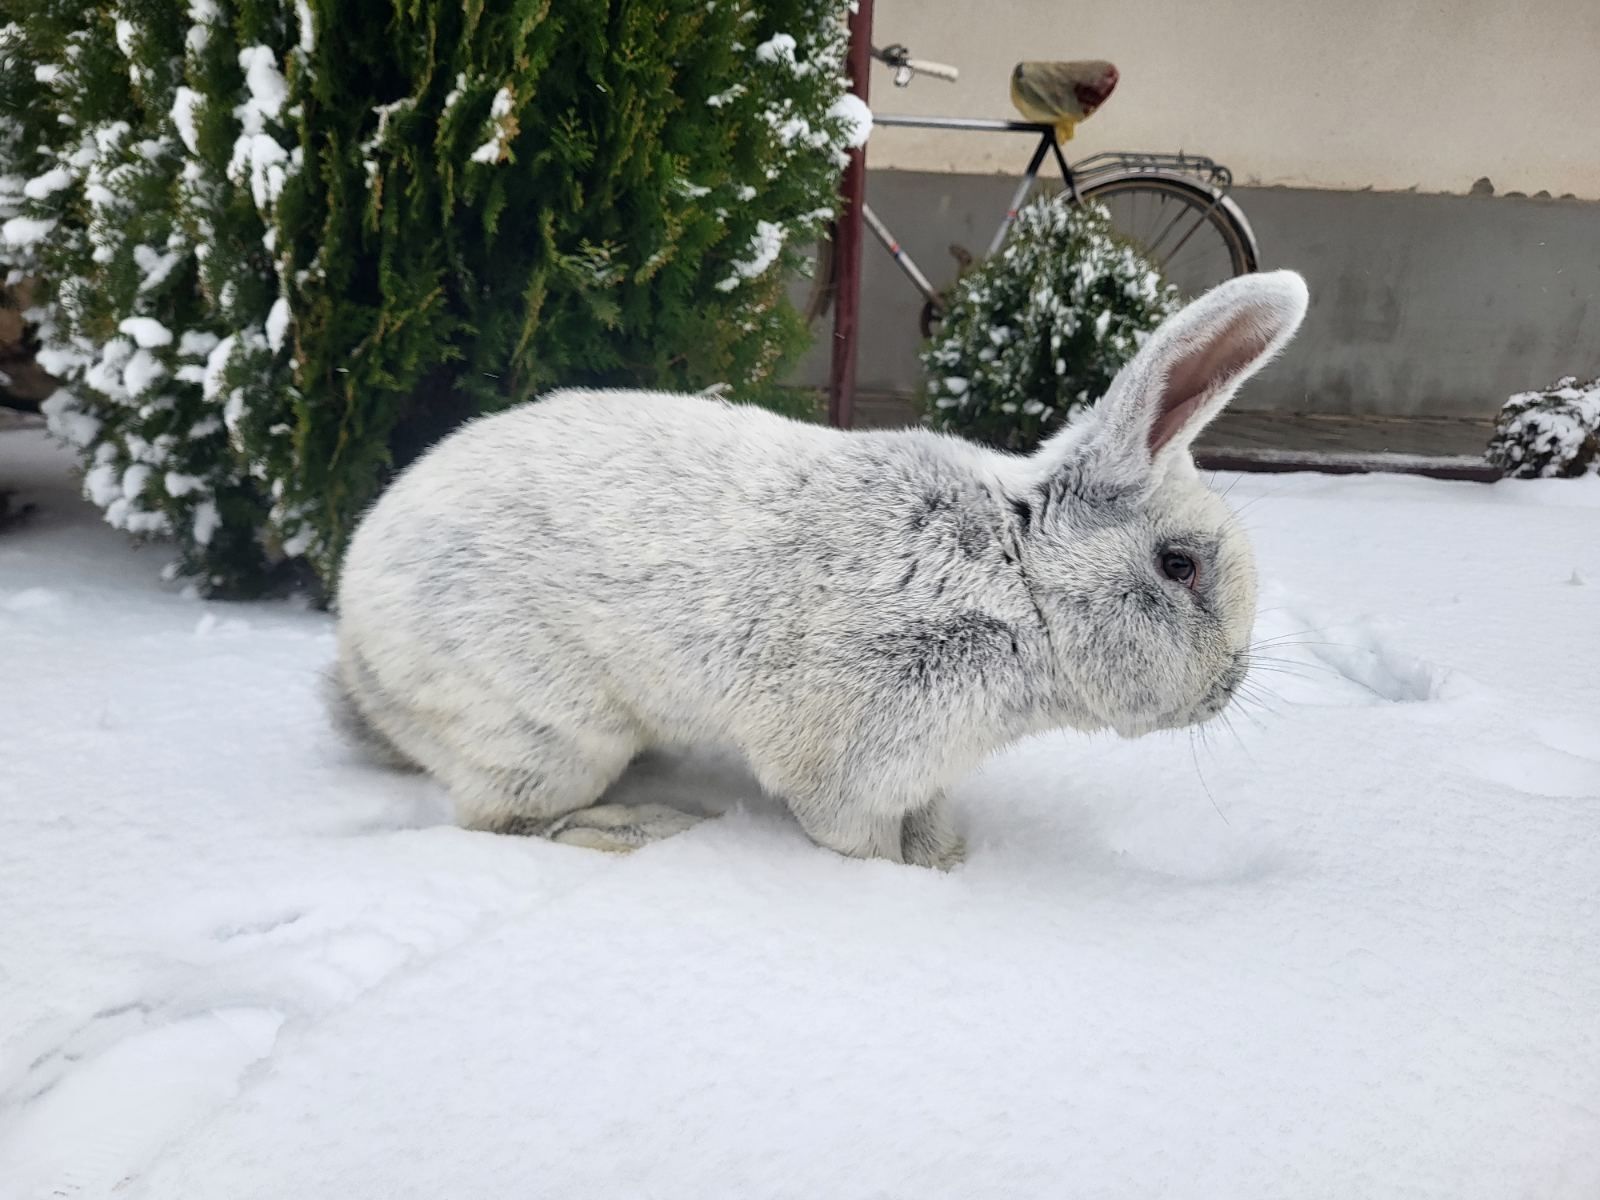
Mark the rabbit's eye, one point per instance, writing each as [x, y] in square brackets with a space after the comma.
[1178, 567]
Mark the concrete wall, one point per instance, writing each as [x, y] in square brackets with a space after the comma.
[1421, 304]
[1382, 94]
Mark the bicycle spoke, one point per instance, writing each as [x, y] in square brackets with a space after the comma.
[1201, 221]
[1162, 218]
[1213, 257]
[1155, 247]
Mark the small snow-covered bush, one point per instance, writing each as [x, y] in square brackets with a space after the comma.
[284, 245]
[1553, 432]
[1042, 327]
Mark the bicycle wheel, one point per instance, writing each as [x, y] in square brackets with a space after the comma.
[1196, 236]
[822, 284]
[821, 288]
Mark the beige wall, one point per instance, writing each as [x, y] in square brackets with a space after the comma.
[1384, 94]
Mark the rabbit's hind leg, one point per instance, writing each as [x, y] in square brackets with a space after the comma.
[531, 779]
[352, 693]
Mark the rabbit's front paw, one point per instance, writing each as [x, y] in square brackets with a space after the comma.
[928, 838]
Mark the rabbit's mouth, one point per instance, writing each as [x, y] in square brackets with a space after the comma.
[1221, 693]
[1216, 698]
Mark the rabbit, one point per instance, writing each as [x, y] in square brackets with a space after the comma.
[865, 617]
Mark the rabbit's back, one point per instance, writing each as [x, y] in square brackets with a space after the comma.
[707, 560]
[599, 534]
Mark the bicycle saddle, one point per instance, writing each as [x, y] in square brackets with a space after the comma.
[1061, 93]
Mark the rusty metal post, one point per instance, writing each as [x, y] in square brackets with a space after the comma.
[847, 250]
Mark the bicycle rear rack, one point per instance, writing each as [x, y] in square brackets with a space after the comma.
[1116, 162]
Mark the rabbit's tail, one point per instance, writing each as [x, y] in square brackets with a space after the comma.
[351, 720]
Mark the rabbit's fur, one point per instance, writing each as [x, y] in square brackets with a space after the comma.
[865, 616]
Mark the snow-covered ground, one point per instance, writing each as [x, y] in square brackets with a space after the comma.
[235, 962]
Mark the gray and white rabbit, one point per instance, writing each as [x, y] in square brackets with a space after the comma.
[864, 616]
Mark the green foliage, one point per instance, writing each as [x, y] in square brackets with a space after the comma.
[340, 230]
[1040, 328]
[1554, 432]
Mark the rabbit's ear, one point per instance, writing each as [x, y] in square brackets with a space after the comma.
[1189, 369]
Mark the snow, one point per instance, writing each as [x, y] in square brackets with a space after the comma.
[257, 156]
[300, 543]
[500, 109]
[105, 373]
[853, 112]
[22, 232]
[154, 266]
[453, 96]
[67, 421]
[278, 323]
[216, 368]
[196, 343]
[240, 962]
[147, 332]
[185, 102]
[178, 484]
[793, 130]
[778, 48]
[763, 252]
[308, 27]
[59, 360]
[383, 112]
[135, 478]
[142, 373]
[263, 80]
[41, 187]
[102, 484]
[206, 521]
[234, 410]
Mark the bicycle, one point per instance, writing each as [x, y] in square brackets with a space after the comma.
[1170, 188]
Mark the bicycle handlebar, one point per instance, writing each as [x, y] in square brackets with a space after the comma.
[898, 57]
[937, 70]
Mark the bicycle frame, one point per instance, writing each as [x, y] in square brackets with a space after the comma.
[1094, 168]
[1047, 144]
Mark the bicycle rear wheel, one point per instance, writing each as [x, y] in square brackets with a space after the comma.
[1194, 234]
[813, 297]
[823, 283]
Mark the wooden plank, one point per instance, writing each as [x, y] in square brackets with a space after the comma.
[1459, 468]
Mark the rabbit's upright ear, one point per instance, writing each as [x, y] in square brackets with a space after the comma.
[1187, 372]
